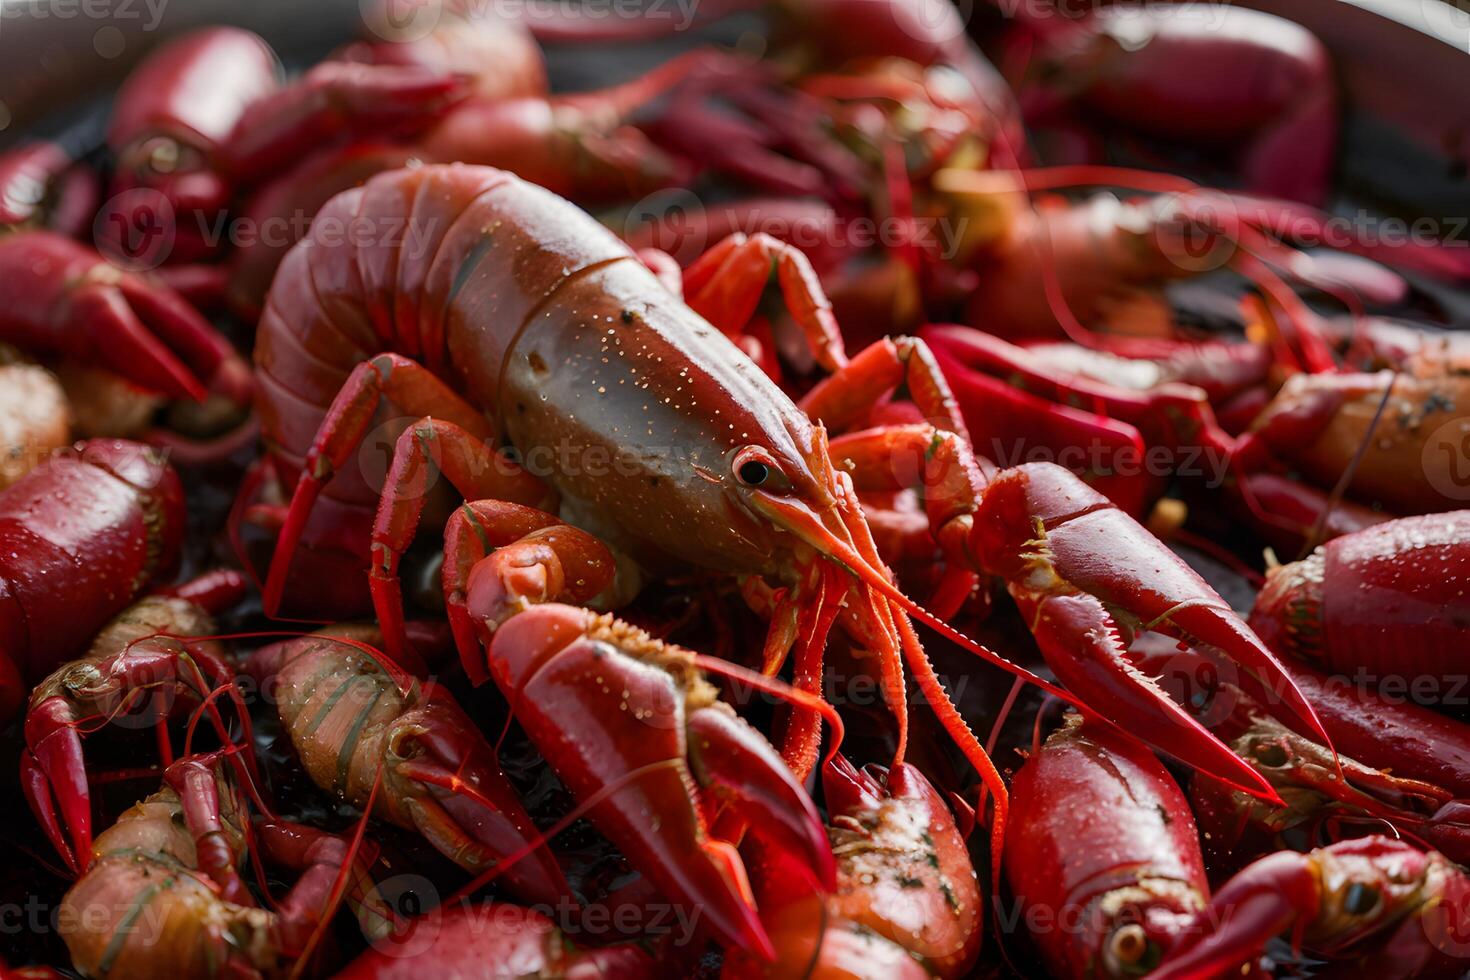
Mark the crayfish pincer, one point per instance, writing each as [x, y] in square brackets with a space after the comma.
[631, 723]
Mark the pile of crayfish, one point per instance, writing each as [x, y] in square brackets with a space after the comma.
[885, 501]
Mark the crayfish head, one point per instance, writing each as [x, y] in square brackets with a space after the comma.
[806, 499]
[806, 508]
[1369, 883]
[1145, 919]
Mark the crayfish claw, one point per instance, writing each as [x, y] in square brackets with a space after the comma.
[622, 719]
[461, 800]
[736, 918]
[1260, 902]
[54, 776]
[189, 339]
[77, 304]
[1219, 628]
[1086, 574]
[1083, 646]
[736, 764]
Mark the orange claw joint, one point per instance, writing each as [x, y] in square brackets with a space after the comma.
[903, 869]
[1379, 902]
[1049, 536]
[62, 297]
[500, 558]
[631, 727]
[726, 283]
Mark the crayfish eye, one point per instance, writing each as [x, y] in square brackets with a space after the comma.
[1131, 952]
[754, 468]
[1271, 756]
[1360, 899]
[754, 473]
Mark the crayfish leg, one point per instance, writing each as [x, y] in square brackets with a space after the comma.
[726, 283]
[455, 441]
[845, 397]
[500, 558]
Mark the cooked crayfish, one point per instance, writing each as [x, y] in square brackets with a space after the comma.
[182, 158]
[1156, 69]
[1397, 765]
[567, 340]
[1103, 854]
[1398, 439]
[1133, 897]
[356, 725]
[1325, 797]
[164, 890]
[1385, 906]
[141, 668]
[81, 536]
[1386, 600]
[907, 899]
